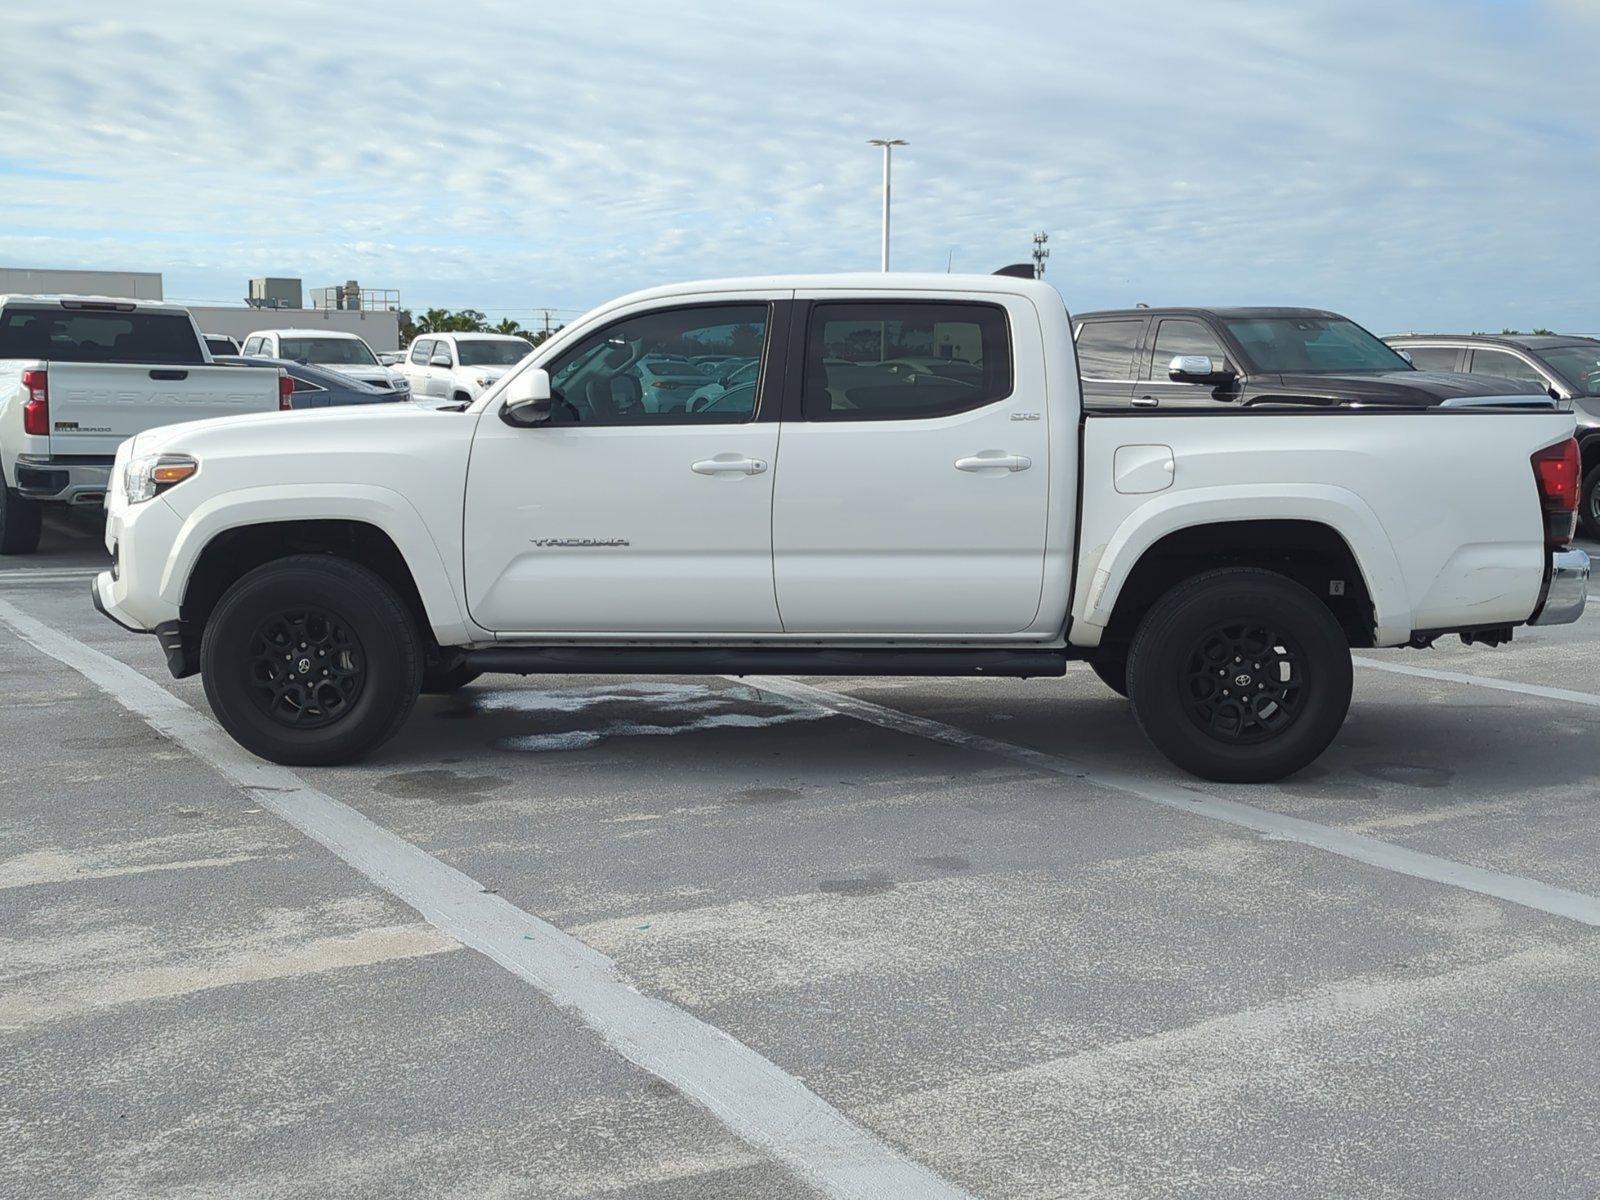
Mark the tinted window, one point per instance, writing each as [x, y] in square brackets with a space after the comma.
[1579, 364]
[882, 360]
[74, 335]
[474, 352]
[305, 385]
[1105, 348]
[639, 370]
[221, 345]
[1433, 358]
[421, 352]
[1507, 366]
[1313, 345]
[1182, 337]
[344, 352]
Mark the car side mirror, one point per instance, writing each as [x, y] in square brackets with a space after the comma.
[439, 360]
[1199, 368]
[527, 399]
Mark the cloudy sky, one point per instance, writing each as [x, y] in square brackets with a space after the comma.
[1420, 163]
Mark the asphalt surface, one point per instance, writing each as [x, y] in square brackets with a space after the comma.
[1029, 977]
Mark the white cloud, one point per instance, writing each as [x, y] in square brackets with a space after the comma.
[1424, 164]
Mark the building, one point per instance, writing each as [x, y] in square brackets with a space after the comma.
[40, 281]
[272, 303]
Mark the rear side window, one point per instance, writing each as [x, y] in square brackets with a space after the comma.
[1106, 348]
[78, 336]
[1432, 358]
[898, 360]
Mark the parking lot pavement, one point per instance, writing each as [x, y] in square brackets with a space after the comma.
[978, 921]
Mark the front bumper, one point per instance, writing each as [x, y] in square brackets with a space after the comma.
[1568, 590]
[67, 480]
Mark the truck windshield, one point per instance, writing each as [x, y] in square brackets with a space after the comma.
[338, 352]
[77, 336]
[474, 353]
[1312, 346]
[1578, 365]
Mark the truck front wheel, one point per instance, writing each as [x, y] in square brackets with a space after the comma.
[311, 660]
[1240, 675]
[19, 522]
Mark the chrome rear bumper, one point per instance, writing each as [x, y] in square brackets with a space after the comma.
[1569, 588]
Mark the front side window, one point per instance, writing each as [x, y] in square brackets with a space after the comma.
[641, 370]
[1106, 348]
[1312, 346]
[1578, 364]
[1182, 337]
[252, 346]
[1503, 365]
[331, 352]
[496, 352]
[887, 360]
[420, 353]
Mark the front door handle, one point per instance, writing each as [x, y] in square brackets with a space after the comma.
[1145, 402]
[991, 460]
[729, 464]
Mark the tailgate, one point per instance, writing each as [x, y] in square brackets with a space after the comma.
[96, 406]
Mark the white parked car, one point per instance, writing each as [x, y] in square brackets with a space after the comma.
[347, 353]
[455, 368]
[1215, 566]
[79, 375]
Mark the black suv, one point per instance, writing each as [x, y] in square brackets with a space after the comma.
[1568, 367]
[1247, 357]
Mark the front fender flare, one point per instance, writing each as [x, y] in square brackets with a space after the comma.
[381, 507]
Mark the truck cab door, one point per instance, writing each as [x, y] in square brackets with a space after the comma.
[914, 476]
[1168, 339]
[1107, 349]
[628, 512]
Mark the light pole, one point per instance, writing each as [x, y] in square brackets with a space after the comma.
[888, 145]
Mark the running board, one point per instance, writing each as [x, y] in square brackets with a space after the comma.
[724, 660]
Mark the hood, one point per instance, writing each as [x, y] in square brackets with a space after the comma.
[318, 422]
[1419, 389]
[379, 376]
[484, 372]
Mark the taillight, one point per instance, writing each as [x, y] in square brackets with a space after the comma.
[1555, 471]
[36, 408]
[285, 391]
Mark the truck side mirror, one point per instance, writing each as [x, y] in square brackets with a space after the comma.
[440, 360]
[527, 399]
[1199, 368]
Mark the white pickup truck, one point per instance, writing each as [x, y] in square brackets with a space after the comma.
[80, 375]
[843, 517]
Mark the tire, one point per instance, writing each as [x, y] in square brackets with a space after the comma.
[1113, 672]
[441, 682]
[19, 522]
[317, 610]
[1589, 504]
[1241, 623]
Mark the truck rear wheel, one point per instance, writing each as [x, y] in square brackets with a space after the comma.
[19, 522]
[1240, 675]
[1589, 504]
[311, 660]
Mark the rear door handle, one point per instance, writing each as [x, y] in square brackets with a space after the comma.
[729, 464]
[991, 460]
[1145, 402]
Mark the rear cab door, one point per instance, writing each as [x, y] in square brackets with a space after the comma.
[913, 491]
[1107, 351]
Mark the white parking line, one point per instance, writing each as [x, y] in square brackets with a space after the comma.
[1589, 699]
[1529, 893]
[754, 1098]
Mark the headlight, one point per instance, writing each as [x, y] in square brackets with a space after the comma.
[485, 380]
[151, 474]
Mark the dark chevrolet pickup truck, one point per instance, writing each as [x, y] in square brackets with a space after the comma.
[1175, 358]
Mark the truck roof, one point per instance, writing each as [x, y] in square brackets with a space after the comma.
[323, 333]
[44, 299]
[1254, 313]
[875, 281]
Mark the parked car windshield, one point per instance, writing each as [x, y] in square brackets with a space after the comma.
[341, 352]
[1578, 365]
[496, 353]
[1312, 346]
